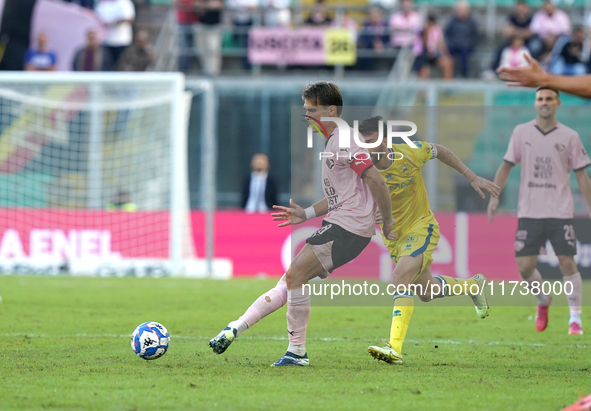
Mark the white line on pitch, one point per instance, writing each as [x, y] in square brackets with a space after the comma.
[275, 338]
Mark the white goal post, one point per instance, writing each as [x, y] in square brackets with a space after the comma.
[94, 177]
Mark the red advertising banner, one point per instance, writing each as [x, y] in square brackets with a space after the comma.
[468, 245]
[253, 243]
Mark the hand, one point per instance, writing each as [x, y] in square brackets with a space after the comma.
[492, 207]
[387, 225]
[291, 216]
[479, 184]
[379, 219]
[529, 76]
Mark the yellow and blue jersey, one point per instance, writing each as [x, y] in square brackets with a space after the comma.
[416, 227]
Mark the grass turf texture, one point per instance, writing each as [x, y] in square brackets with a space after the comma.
[66, 346]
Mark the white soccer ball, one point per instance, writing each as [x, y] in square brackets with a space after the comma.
[150, 340]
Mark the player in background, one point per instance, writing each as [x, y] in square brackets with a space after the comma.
[535, 76]
[548, 150]
[353, 187]
[417, 229]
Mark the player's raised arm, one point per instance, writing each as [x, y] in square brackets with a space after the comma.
[535, 76]
[501, 177]
[381, 195]
[296, 215]
[445, 155]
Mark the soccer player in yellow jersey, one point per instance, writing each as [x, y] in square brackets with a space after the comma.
[417, 230]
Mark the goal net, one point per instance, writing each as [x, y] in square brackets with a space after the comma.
[93, 175]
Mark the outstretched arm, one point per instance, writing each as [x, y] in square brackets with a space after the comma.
[295, 214]
[478, 183]
[501, 178]
[535, 76]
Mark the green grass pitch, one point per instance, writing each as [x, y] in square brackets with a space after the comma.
[66, 346]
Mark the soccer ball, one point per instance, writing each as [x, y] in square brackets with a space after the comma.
[150, 340]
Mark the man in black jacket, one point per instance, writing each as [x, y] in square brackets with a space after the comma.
[259, 191]
[461, 35]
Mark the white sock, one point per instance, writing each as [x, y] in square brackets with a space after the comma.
[240, 326]
[297, 349]
[536, 276]
[576, 298]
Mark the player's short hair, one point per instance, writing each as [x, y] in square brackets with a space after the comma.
[324, 93]
[372, 125]
[549, 88]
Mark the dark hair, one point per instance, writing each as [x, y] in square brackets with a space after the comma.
[432, 17]
[549, 88]
[372, 125]
[324, 93]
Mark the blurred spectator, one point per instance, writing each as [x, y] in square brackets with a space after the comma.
[93, 57]
[405, 25]
[319, 16]
[209, 36]
[518, 24]
[374, 36]
[138, 56]
[259, 191]
[551, 28]
[40, 59]
[89, 4]
[431, 50]
[513, 54]
[519, 21]
[344, 20]
[277, 13]
[118, 16]
[186, 17]
[570, 62]
[461, 35]
[243, 13]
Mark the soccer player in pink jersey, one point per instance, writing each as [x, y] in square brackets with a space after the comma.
[548, 150]
[353, 187]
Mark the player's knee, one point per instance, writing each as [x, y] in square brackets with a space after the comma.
[525, 268]
[424, 297]
[567, 263]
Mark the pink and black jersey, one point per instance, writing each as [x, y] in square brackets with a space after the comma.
[350, 204]
[546, 160]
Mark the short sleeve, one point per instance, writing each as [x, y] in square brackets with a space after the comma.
[53, 58]
[513, 154]
[423, 153]
[578, 158]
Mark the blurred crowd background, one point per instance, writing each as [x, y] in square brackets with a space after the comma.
[427, 39]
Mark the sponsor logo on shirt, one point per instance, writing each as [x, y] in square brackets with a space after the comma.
[397, 186]
[531, 184]
[330, 163]
[543, 167]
